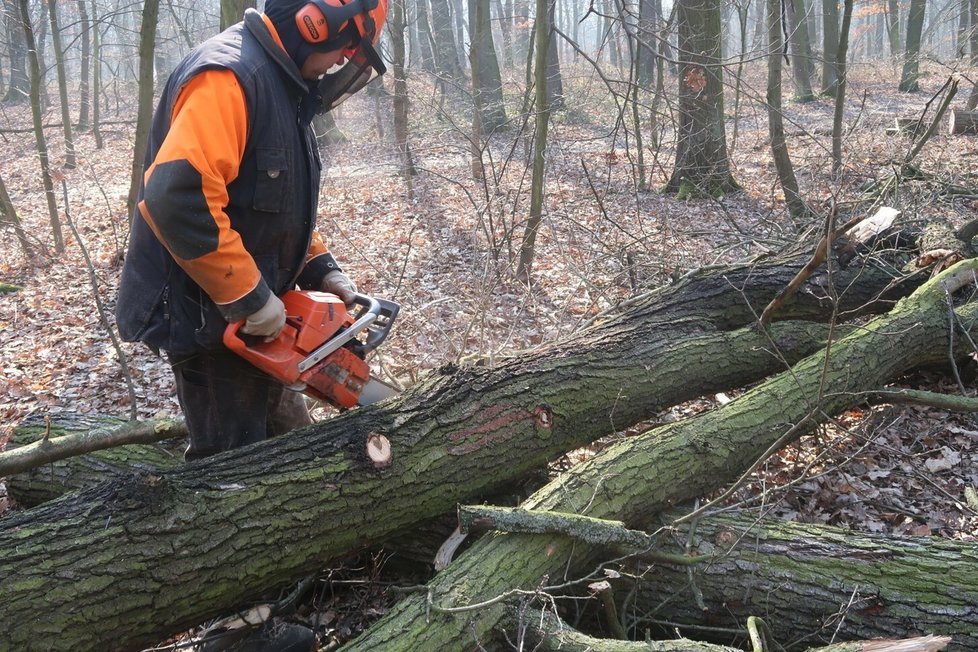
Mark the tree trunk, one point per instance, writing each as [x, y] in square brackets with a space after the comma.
[144, 116]
[84, 85]
[555, 84]
[542, 124]
[96, 77]
[445, 48]
[283, 508]
[426, 39]
[640, 476]
[801, 51]
[59, 59]
[893, 27]
[487, 85]
[830, 46]
[40, 142]
[702, 166]
[19, 84]
[911, 61]
[815, 579]
[401, 101]
[842, 68]
[232, 11]
[775, 116]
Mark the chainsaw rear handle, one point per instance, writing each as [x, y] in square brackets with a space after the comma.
[377, 318]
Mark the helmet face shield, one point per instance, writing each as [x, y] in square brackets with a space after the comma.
[363, 65]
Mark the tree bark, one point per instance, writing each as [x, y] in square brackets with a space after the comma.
[775, 115]
[40, 142]
[19, 83]
[702, 166]
[194, 542]
[801, 51]
[144, 116]
[820, 582]
[542, 103]
[639, 477]
[59, 64]
[911, 61]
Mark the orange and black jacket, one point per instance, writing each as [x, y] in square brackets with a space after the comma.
[227, 207]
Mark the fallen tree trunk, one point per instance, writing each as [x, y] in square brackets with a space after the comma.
[197, 541]
[639, 477]
[812, 583]
[707, 301]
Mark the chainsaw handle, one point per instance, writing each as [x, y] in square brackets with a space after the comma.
[380, 327]
[374, 309]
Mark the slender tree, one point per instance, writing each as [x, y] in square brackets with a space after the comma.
[84, 87]
[40, 142]
[911, 60]
[702, 165]
[775, 119]
[830, 46]
[59, 59]
[96, 76]
[401, 101]
[541, 46]
[841, 94]
[147, 45]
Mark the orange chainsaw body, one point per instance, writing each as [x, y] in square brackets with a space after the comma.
[312, 319]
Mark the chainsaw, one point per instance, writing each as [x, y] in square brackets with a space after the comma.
[320, 351]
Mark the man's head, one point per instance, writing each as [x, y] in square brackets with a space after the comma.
[319, 34]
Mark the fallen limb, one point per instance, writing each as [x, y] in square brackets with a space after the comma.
[51, 449]
[638, 477]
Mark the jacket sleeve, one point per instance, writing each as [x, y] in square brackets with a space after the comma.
[185, 192]
[319, 263]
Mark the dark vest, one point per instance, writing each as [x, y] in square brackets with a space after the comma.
[271, 203]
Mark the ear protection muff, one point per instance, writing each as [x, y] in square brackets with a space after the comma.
[326, 22]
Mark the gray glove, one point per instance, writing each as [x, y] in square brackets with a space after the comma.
[339, 284]
[267, 320]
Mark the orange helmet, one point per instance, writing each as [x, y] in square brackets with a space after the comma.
[327, 23]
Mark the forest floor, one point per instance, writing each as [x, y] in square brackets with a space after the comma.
[446, 252]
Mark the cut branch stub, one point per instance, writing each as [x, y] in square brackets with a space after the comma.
[379, 450]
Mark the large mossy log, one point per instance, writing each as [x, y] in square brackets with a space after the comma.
[639, 477]
[153, 553]
[708, 301]
[811, 583]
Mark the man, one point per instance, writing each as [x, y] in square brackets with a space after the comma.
[226, 211]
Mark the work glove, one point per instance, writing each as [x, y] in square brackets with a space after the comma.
[267, 321]
[339, 284]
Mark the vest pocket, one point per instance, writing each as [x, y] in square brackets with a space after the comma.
[272, 180]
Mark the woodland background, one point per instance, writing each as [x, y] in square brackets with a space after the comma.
[508, 198]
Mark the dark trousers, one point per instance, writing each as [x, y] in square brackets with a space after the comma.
[228, 403]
